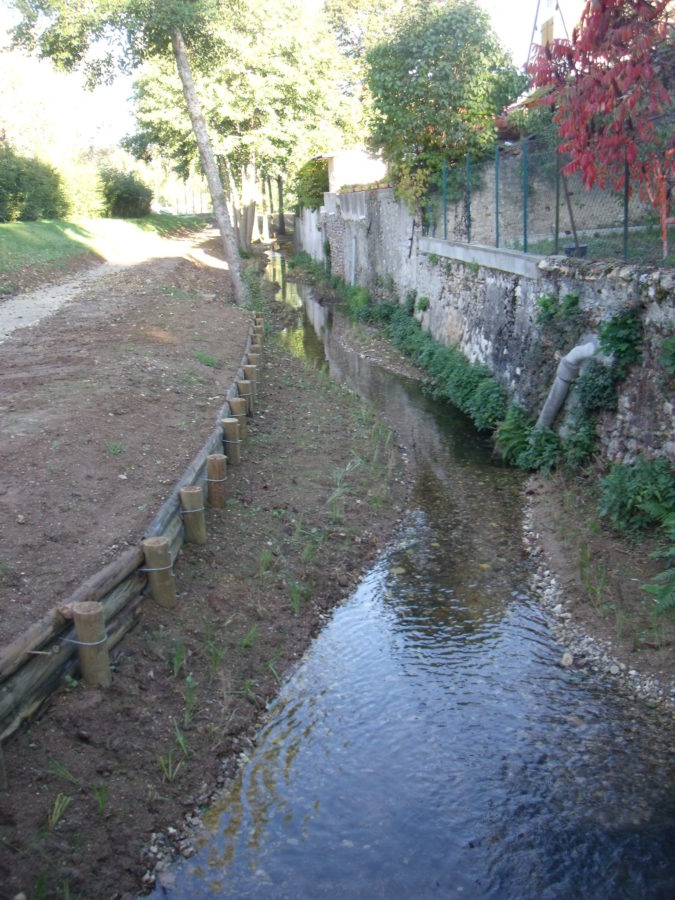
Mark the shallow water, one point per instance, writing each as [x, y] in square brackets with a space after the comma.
[430, 744]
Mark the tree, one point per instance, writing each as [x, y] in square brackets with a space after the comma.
[104, 36]
[610, 86]
[270, 104]
[437, 86]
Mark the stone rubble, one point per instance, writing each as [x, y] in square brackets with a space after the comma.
[582, 650]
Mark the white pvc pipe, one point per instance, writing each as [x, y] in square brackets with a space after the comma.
[567, 371]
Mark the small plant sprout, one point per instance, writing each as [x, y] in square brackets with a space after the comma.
[101, 794]
[248, 638]
[115, 448]
[61, 804]
[180, 738]
[169, 767]
[178, 657]
[206, 359]
[62, 772]
[190, 699]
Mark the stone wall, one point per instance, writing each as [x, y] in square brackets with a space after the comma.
[484, 301]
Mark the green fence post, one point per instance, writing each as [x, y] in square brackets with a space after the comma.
[497, 196]
[525, 196]
[445, 200]
[468, 198]
[556, 244]
[625, 210]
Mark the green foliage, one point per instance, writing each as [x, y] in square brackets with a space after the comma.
[437, 84]
[620, 337]
[29, 189]
[580, 441]
[596, 387]
[358, 299]
[662, 588]
[542, 453]
[668, 355]
[423, 304]
[638, 496]
[124, 194]
[512, 437]
[487, 404]
[551, 310]
[311, 183]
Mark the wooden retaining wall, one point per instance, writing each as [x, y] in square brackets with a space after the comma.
[34, 664]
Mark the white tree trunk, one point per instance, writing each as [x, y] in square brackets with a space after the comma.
[209, 165]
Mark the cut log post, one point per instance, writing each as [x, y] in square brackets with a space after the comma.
[231, 440]
[160, 571]
[192, 503]
[251, 373]
[92, 643]
[253, 358]
[258, 332]
[239, 408]
[216, 474]
[244, 388]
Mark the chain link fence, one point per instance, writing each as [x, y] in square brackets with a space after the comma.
[520, 199]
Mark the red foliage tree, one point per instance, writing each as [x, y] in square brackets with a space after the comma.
[610, 86]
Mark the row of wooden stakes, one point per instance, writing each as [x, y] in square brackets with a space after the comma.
[107, 605]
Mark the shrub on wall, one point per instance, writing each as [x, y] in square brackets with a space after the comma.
[125, 196]
[311, 183]
[29, 189]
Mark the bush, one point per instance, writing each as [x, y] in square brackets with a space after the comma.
[125, 196]
[596, 387]
[621, 338]
[580, 441]
[311, 183]
[487, 404]
[637, 497]
[542, 452]
[513, 434]
[29, 189]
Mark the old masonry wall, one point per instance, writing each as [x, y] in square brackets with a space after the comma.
[484, 301]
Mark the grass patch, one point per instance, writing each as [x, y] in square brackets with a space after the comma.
[47, 242]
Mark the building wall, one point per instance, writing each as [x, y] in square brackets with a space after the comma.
[484, 301]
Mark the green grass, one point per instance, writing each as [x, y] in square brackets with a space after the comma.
[41, 243]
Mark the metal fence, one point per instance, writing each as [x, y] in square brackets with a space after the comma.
[519, 199]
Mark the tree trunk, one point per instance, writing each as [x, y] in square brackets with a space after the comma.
[282, 223]
[209, 165]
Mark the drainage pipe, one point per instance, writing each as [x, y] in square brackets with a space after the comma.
[568, 369]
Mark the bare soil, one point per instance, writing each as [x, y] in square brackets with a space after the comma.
[103, 404]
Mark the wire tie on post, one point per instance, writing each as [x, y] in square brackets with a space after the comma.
[187, 512]
[216, 480]
[160, 569]
[85, 643]
[226, 441]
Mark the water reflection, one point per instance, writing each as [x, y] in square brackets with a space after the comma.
[430, 744]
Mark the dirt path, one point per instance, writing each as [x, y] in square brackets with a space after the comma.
[104, 401]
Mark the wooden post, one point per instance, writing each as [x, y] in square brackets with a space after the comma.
[244, 387]
[216, 474]
[231, 440]
[239, 408]
[256, 348]
[251, 373]
[160, 571]
[253, 358]
[258, 331]
[194, 521]
[92, 643]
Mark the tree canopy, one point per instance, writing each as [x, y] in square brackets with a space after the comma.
[437, 86]
[611, 89]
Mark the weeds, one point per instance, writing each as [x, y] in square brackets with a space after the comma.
[178, 655]
[61, 804]
[169, 767]
[180, 738]
[190, 699]
[101, 794]
[62, 772]
[115, 448]
[248, 639]
[206, 359]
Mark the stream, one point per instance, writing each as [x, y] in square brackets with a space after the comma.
[430, 744]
